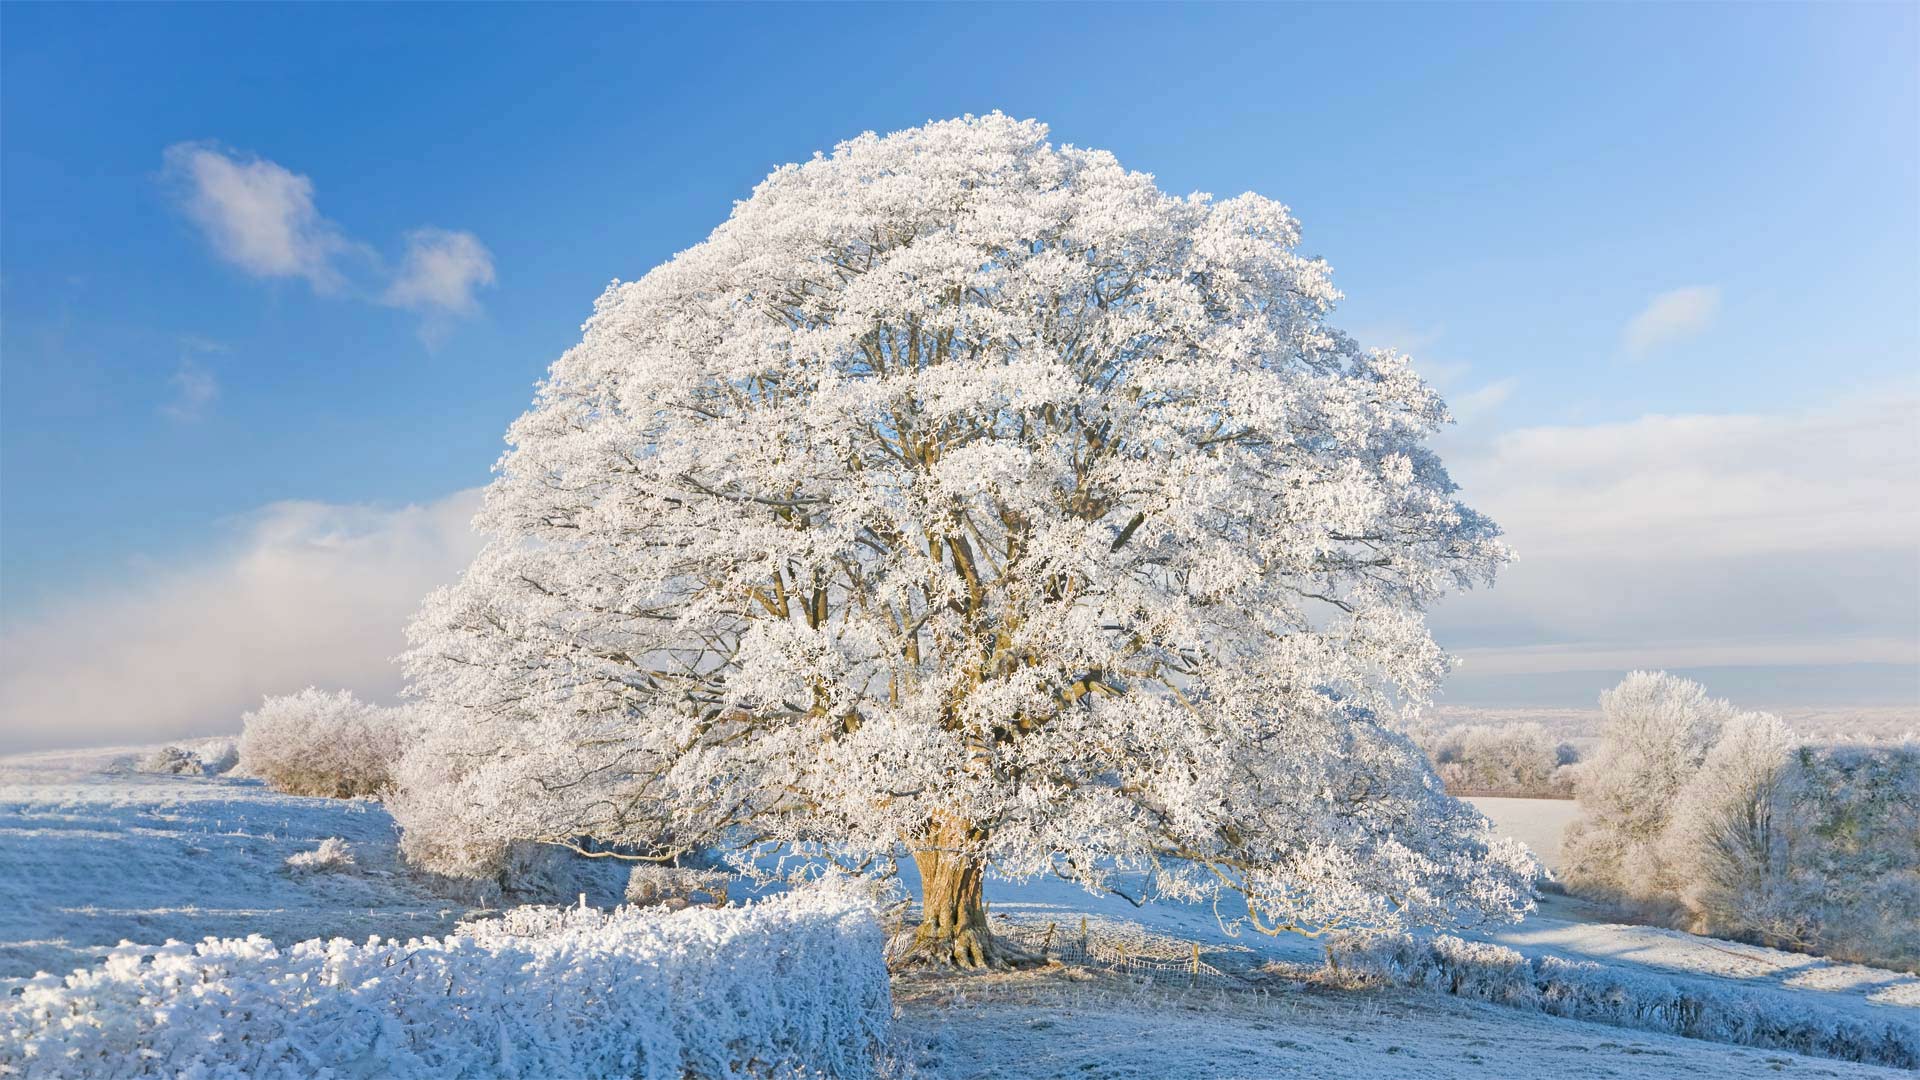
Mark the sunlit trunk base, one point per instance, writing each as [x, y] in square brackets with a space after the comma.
[953, 912]
[953, 920]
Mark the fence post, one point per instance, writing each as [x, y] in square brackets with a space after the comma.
[1195, 977]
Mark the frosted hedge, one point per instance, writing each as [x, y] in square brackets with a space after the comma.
[792, 986]
[1583, 990]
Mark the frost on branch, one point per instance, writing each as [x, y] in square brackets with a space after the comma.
[969, 496]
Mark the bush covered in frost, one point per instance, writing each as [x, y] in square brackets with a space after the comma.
[791, 984]
[1583, 990]
[170, 761]
[333, 856]
[1850, 841]
[219, 755]
[320, 743]
[653, 885]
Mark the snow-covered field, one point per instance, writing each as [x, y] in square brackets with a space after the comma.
[91, 854]
[1537, 823]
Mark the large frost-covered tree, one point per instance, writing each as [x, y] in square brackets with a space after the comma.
[968, 496]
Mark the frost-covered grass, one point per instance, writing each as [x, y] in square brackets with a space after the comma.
[1034, 1025]
[792, 983]
[1611, 995]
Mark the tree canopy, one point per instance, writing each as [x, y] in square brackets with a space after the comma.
[968, 496]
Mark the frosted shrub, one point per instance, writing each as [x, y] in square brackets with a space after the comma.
[791, 984]
[1583, 990]
[220, 756]
[333, 856]
[319, 743]
[675, 887]
[1721, 822]
[1726, 846]
[1852, 815]
[170, 761]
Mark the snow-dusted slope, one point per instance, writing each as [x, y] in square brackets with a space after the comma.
[1028, 1026]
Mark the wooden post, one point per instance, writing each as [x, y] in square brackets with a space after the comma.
[1195, 977]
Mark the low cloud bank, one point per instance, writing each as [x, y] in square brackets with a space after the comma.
[302, 593]
[1738, 542]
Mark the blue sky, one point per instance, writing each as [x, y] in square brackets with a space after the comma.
[1596, 227]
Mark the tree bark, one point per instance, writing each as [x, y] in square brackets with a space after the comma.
[953, 914]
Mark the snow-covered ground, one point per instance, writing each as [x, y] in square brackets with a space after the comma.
[1537, 823]
[91, 853]
[1045, 1024]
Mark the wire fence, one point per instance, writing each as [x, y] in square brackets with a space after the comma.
[1114, 946]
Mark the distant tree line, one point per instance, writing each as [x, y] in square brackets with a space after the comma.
[1520, 760]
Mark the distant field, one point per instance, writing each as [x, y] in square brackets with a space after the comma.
[1537, 823]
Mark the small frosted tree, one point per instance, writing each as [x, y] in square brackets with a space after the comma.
[1656, 729]
[967, 496]
[1726, 846]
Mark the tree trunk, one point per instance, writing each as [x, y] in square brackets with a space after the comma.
[953, 916]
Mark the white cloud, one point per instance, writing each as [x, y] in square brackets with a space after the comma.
[257, 215]
[1672, 316]
[262, 218]
[299, 593]
[441, 271]
[1473, 405]
[1789, 538]
[194, 389]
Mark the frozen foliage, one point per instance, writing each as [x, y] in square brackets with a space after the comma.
[219, 756]
[777, 988]
[1611, 995]
[170, 761]
[968, 493]
[1852, 859]
[652, 885]
[320, 743]
[1724, 822]
[1658, 728]
[1725, 846]
[333, 856]
[1500, 760]
[206, 757]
